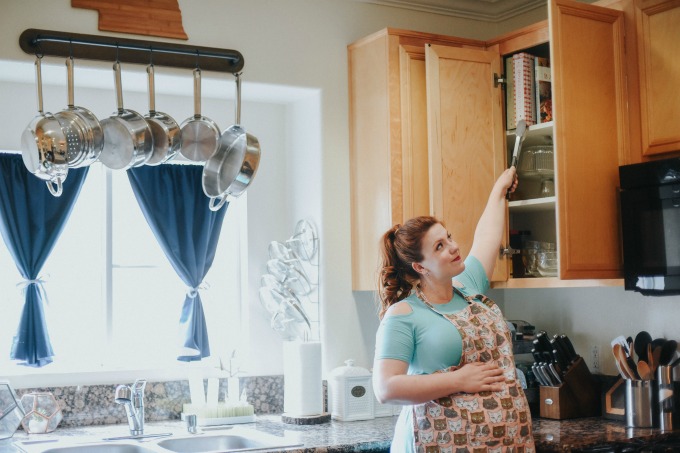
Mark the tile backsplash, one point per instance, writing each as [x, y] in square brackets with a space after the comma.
[85, 405]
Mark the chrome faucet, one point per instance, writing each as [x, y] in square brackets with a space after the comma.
[133, 401]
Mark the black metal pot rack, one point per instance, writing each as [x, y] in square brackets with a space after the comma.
[110, 48]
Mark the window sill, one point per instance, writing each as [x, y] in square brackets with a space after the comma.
[42, 379]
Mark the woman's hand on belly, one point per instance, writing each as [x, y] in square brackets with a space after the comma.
[392, 385]
[478, 377]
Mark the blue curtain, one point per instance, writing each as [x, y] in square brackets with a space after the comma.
[177, 210]
[31, 220]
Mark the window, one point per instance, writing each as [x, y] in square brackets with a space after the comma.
[114, 300]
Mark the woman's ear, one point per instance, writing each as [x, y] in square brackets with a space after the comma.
[418, 268]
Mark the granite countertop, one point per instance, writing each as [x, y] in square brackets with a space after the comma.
[371, 435]
[333, 437]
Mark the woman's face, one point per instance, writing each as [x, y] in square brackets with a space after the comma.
[441, 255]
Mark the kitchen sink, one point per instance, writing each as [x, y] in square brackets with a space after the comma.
[224, 443]
[237, 440]
[93, 447]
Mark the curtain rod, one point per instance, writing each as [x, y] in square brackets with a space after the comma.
[110, 48]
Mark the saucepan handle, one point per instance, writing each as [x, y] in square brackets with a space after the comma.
[217, 202]
[51, 187]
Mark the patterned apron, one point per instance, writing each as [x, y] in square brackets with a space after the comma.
[485, 422]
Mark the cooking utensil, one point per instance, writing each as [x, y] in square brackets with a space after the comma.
[644, 370]
[164, 129]
[44, 145]
[82, 128]
[128, 141]
[622, 341]
[642, 340]
[229, 171]
[624, 363]
[520, 131]
[650, 358]
[199, 134]
[618, 364]
[667, 352]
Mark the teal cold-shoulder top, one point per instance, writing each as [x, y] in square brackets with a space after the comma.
[423, 339]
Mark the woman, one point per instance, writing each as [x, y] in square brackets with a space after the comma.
[443, 349]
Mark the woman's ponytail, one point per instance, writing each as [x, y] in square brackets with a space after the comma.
[400, 248]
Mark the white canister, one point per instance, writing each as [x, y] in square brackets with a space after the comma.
[351, 393]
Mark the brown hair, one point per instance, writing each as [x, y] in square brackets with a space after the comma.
[401, 246]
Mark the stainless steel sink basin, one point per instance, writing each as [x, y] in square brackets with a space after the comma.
[96, 448]
[234, 441]
[228, 442]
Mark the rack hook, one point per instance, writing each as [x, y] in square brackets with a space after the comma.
[198, 54]
[117, 50]
[38, 49]
[151, 55]
[70, 48]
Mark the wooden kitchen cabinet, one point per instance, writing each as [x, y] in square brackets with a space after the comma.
[467, 140]
[389, 171]
[658, 35]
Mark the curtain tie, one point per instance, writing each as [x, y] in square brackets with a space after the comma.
[40, 281]
[193, 292]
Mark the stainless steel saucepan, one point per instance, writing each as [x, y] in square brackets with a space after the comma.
[44, 145]
[232, 168]
[165, 130]
[128, 141]
[200, 135]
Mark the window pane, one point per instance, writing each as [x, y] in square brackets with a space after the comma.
[146, 293]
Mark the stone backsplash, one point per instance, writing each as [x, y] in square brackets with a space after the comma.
[85, 405]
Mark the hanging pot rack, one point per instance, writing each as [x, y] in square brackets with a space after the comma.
[110, 48]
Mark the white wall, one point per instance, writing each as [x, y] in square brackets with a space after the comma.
[305, 165]
[594, 316]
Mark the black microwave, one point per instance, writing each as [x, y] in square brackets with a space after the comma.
[650, 224]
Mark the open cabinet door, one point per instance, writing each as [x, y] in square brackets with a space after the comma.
[466, 138]
[591, 124]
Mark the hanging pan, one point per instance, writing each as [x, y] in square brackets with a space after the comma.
[231, 169]
[44, 145]
[165, 130]
[82, 128]
[200, 135]
[127, 137]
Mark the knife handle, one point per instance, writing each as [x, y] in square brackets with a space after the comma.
[570, 346]
[562, 348]
[559, 358]
[544, 341]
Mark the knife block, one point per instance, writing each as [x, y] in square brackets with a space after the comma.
[577, 396]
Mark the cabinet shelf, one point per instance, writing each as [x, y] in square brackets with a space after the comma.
[537, 134]
[533, 205]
